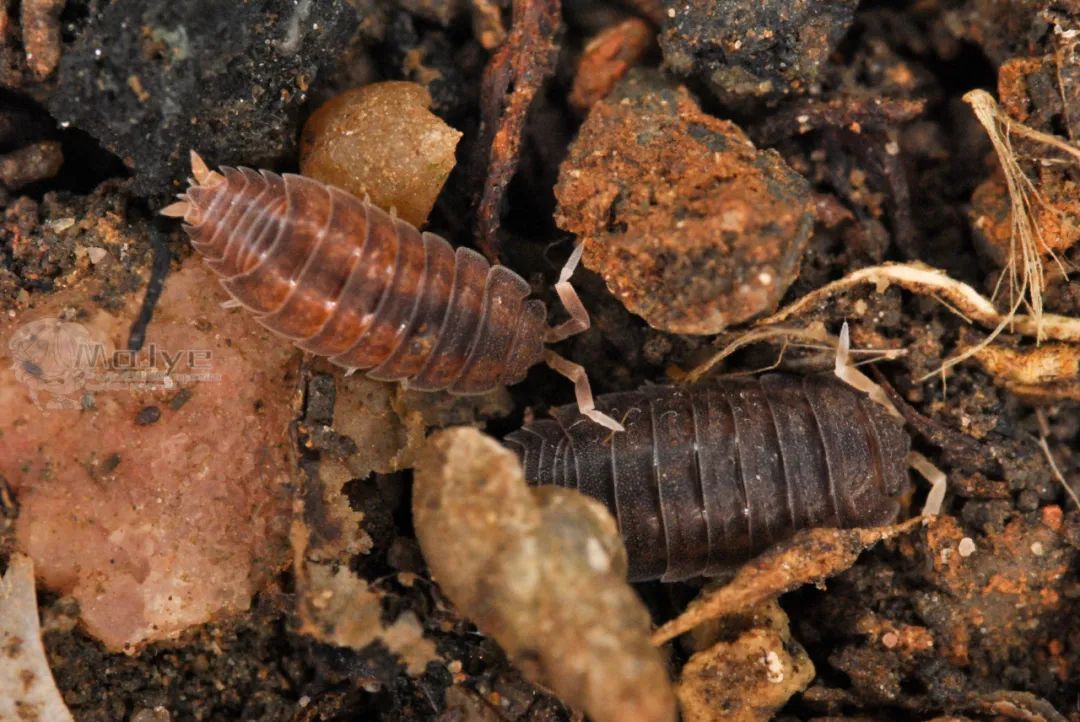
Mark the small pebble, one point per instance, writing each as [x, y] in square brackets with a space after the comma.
[966, 547]
[148, 415]
[1027, 500]
[157, 714]
[381, 141]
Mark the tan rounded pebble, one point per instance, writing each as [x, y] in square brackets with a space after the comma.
[381, 141]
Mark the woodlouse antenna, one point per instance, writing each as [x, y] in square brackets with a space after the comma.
[579, 316]
[582, 390]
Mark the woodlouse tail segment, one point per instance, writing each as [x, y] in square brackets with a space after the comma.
[179, 209]
[582, 391]
[190, 205]
[202, 173]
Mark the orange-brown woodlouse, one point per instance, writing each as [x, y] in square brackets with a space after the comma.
[706, 477]
[341, 278]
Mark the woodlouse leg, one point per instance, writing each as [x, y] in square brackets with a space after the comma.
[579, 316]
[582, 390]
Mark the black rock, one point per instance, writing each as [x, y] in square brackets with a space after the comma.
[153, 79]
[751, 50]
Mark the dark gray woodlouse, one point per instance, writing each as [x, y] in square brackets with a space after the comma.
[341, 278]
[706, 477]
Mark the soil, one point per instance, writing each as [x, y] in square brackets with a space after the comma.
[976, 615]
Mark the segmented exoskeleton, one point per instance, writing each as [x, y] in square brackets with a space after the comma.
[341, 278]
[706, 477]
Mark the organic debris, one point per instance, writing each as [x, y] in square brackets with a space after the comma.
[763, 50]
[606, 59]
[1050, 373]
[27, 689]
[748, 675]
[691, 227]
[511, 79]
[40, 20]
[353, 432]
[807, 558]
[35, 162]
[152, 528]
[381, 142]
[542, 571]
[337, 607]
[1031, 235]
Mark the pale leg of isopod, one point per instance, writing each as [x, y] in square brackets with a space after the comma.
[582, 391]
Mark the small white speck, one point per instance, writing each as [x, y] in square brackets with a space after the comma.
[65, 124]
[598, 559]
[892, 148]
[764, 278]
[1037, 549]
[966, 547]
[671, 12]
[802, 119]
[774, 668]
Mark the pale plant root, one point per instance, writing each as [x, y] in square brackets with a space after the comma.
[1044, 431]
[1027, 246]
[958, 297]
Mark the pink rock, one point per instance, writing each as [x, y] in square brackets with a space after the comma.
[153, 521]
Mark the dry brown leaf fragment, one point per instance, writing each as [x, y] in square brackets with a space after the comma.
[524, 61]
[337, 607]
[543, 572]
[809, 557]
